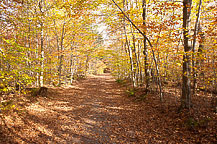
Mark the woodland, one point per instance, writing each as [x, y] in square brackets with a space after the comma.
[108, 71]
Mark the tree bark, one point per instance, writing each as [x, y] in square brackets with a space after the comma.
[42, 48]
[72, 61]
[42, 57]
[129, 50]
[186, 86]
[134, 58]
[196, 29]
[145, 52]
[61, 56]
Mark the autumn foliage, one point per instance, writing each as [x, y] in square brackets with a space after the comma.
[151, 47]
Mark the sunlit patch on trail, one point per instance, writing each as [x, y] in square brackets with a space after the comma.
[63, 108]
[36, 107]
[43, 129]
[89, 121]
[115, 108]
[61, 102]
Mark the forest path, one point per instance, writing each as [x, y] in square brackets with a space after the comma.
[88, 112]
[98, 111]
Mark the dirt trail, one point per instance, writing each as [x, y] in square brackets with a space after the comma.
[85, 112]
[97, 111]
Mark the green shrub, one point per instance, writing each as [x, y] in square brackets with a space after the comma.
[119, 81]
[131, 92]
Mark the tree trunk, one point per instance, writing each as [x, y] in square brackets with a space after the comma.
[42, 57]
[72, 61]
[139, 64]
[196, 29]
[186, 86]
[41, 77]
[37, 56]
[135, 61]
[86, 65]
[61, 56]
[145, 52]
[129, 50]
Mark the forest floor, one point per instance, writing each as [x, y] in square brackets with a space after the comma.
[97, 110]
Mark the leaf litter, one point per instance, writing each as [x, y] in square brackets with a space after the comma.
[97, 110]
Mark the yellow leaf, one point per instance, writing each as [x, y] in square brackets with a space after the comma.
[179, 64]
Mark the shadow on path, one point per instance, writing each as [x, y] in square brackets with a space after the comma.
[81, 113]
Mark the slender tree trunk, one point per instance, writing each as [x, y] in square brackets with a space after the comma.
[29, 43]
[37, 60]
[131, 62]
[134, 58]
[196, 28]
[61, 56]
[139, 65]
[86, 65]
[129, 51]
[42, 57]
[29, 46]
[41, 80]
[57, 44]
[214, 89]
[186, 86]
[201, 48]
[72, 61]
[145, 52]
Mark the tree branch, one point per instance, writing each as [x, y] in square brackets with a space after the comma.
[133, 24]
